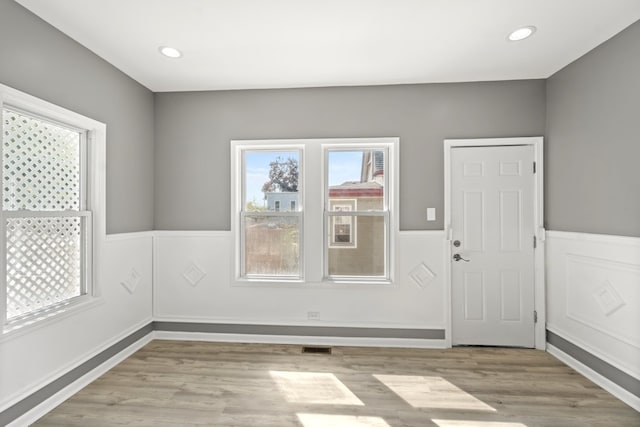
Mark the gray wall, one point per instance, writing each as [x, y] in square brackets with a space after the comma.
[193, 131]
[592, 130]
[41, 61]
[593, 140]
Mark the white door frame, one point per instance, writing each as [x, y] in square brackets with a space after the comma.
[539, 270]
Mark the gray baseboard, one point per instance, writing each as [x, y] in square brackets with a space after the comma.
[304, 331]
[610, 372]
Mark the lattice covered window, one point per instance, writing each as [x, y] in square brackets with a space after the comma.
[45, 217]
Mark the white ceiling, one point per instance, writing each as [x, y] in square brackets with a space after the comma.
[241, 44]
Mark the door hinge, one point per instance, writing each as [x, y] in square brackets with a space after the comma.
[535, 242]
[534, 167]
[535, 316]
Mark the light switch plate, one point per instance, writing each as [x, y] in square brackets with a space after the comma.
[431, 214]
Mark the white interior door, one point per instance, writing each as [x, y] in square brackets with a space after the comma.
[492, 268]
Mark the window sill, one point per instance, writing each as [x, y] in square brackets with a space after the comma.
[334, 283]
[36, 322]
[268, 283]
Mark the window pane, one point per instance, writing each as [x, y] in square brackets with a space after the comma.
[365, 255]
[272, 245]
[357, 174]
[41, 164]
[271, 180]
[342, 229]
[43, 262]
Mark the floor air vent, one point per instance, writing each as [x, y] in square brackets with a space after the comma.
[317, 350]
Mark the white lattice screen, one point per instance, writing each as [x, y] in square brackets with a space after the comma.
[43, 262]
[41, 164]
[41, 192]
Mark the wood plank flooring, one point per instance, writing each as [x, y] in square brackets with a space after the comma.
[184, 383]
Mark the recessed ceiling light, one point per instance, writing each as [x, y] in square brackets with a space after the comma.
[522, 33]
[170, 52]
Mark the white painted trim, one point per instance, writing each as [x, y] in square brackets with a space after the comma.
[154, 275]
[22, 100]
[612, 265]
[619, 392]
[539, 252]
[191, 233]
[94, 194]
[130, 236]
[446, 270]
[590, 349]
[302, 340]
[595, 238]
[51, 403]
[32, 388]
[63, 312]
[312, 257]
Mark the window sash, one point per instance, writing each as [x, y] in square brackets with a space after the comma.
[85, 258]
[82, 152]
[276, 148]
[282, 212]
[384, 212]
[243, 248]
[372, 147]
[328, 246]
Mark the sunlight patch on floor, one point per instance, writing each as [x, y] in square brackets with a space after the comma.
[324, 420]
[432, 392]
[474, 423]
[314, 387]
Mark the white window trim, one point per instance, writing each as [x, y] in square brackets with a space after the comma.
[238, 148]
[390, 201]
[312, 205]
[94, 178]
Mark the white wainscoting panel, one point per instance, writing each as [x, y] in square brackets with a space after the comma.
[37, 355]
[193, 282]
[593, 295]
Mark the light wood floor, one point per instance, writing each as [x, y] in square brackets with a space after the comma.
[177, 383]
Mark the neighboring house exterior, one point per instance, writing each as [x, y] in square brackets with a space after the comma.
[282, 201]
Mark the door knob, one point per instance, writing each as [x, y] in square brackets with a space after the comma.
[456, 243]
[458, 257]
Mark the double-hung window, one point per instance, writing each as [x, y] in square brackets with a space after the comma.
[47, 220]
[341, 231]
